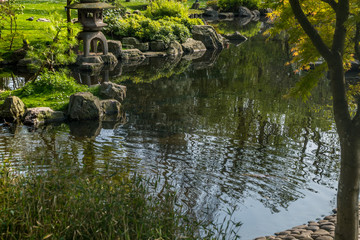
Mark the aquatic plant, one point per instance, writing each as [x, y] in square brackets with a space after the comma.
[70, 204]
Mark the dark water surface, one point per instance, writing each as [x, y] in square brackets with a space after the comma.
[219, 130]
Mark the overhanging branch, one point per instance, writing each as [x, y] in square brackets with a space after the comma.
[310, 30]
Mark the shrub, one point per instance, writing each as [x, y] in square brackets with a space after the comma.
[233, 5]
[50, 89]
[164, 8]
[146, 29]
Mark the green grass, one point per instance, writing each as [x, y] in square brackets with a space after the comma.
[71, 204]
[31, 30]
[48, 90]
[37, 32]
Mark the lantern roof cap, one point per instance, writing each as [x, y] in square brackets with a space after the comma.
[90, 5]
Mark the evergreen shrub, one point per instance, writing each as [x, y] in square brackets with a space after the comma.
[163, 20]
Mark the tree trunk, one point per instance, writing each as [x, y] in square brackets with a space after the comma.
[356, 41]
[347, 226]
[68, 11]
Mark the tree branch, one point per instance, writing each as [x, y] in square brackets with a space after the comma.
[310, 30]
[342, 14]
[332, 4]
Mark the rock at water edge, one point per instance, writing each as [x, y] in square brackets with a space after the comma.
[109, 90]
[13, 109]
[84, 106]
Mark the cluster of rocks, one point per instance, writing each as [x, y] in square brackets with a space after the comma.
[321, 230]
[132, 51]
[204, 38]
[82, 106]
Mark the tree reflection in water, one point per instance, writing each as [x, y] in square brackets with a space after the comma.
[218, 130]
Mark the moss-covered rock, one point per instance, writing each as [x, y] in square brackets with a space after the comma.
[13, 109]
[84, 106]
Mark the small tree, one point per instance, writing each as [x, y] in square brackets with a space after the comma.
[9, 12]
[58, 51]
[325, 30]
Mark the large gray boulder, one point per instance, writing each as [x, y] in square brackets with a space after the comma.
[158, 46]
[208, 36]
[84, 106]
[13, 109]
[109, 59]
[175, 49]
[191, 46]
[110, 107]
[109, 90]
[211, 13]
[42, 115]
[131, 42]
[143, 46]
[132, 55]
[115, 47]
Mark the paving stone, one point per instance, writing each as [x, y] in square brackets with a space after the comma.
[312, 228]
[331, 217]
[321, 232]
[327, 223]
[283, 233]
[300, 226]
[328, 227]
[324, 238]
[313, 224]
[323, 221]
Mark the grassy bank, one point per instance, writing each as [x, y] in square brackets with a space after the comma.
[68, 204]
[37, 32]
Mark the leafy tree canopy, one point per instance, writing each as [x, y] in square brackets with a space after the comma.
[321, 15]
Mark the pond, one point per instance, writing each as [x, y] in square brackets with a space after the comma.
[218, 129]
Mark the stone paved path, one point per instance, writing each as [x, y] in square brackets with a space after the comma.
[321, 230]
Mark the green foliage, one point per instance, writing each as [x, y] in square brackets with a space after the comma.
[322, 17]
[70, 204]
[249, 30]
[50, 89]
[59, 51]
[144, 74]
[9, 12]
[114, 14]
[166, 8]
[146, 29]
[212, 3]
[233, 5]
[163, 20]
[308, 82]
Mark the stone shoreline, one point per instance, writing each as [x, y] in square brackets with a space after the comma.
[314, 230]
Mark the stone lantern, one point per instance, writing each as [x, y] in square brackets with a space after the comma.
[90, 15]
